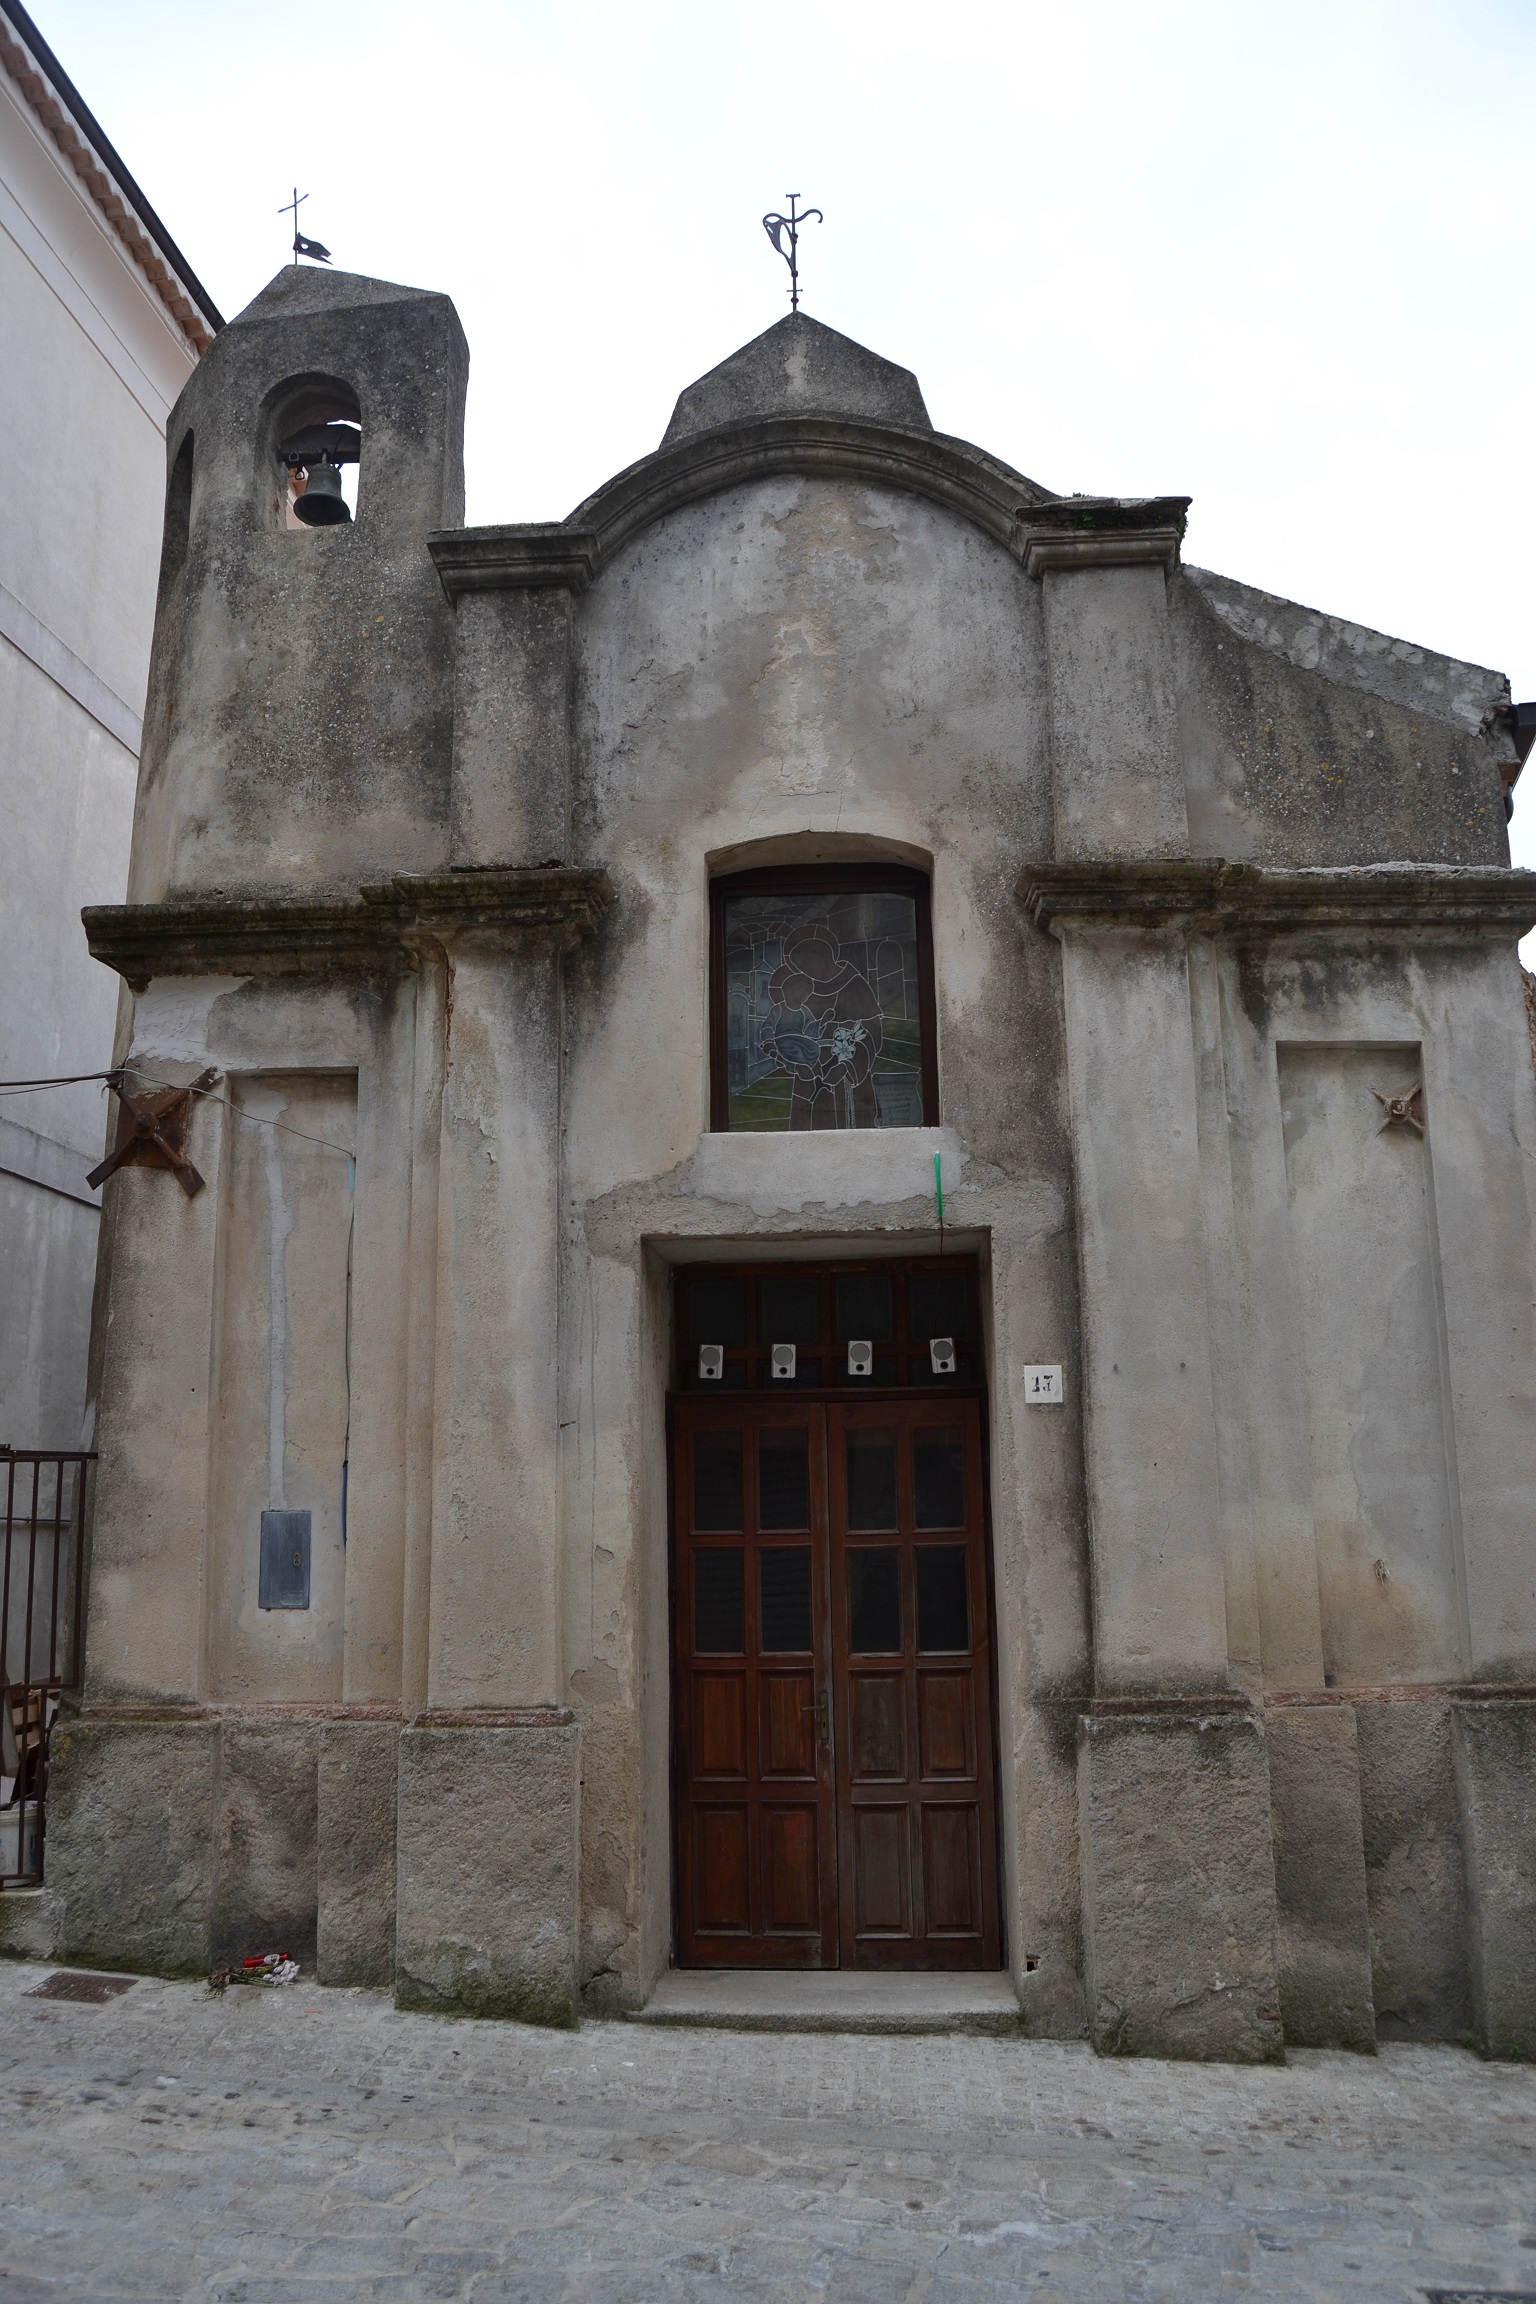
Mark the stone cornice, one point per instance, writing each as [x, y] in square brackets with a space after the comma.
[380, 926]
[1143, 547]
[571, 898]
[953, 473]
[514, 559]
[1213, 894]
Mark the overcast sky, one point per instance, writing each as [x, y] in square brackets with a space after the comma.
[1278, 259]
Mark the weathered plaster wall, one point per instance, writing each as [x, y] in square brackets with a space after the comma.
[93, 362]
[50, 1258]
[1307, 740]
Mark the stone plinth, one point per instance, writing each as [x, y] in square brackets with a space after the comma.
[488, 1868]
[1178, 1884]
[1495, 1748]
[1322, 1915]
[264, 1893]
[130, 1852]
[355, 1852]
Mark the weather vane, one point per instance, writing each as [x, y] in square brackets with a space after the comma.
[314, 249]
[782, 228]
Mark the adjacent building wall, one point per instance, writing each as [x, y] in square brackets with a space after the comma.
[93, 361]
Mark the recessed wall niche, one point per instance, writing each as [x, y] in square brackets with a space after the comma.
[1363, 1249]
[283, 1377]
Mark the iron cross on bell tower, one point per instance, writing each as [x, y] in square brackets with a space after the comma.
[782, 229]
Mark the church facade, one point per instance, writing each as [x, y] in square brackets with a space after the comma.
[858, 1291]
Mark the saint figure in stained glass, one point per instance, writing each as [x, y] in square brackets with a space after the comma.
[822, 1012]
[825, 1027]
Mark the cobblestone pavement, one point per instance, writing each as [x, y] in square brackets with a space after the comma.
[293, 2146]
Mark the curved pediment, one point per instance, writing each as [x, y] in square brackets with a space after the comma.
[572, 552]
[802, 399]
[1014, 511]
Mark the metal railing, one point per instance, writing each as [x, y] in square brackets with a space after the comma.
[42, 1626]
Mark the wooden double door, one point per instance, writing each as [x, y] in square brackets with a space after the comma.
[832, 1671]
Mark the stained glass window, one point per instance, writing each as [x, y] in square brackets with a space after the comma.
[824, 1003]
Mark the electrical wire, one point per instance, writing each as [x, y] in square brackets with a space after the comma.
[206, 1095]
[257, 1119]
[64, 1080]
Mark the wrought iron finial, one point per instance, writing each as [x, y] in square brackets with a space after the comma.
[315, 249]
[780, 228]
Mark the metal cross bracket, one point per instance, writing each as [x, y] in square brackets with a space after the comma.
[1402, 1108]
[152, 1132]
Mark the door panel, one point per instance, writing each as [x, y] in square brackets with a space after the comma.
[758, 1878]
[945, 1724]
[881, 1874]
[951, 1888]
[833, 1684]
[720, 1731]
[792, 1887]
[788, 1702]
[720, 1878]
[877, 1720]
[918, 1873]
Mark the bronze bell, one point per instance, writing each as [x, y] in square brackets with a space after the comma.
[322, 504]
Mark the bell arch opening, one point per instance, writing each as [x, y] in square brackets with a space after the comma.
[315, 447]
[178, 522]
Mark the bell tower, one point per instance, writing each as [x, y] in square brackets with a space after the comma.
[298, 728]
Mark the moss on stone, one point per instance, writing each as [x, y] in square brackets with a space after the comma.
[454, 1981]
[1318, 2011]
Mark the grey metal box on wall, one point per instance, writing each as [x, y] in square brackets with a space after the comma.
[285, 1559]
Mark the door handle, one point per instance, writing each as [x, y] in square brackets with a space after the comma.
[823, 1720]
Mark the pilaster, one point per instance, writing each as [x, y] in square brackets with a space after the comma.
[511, 726]
[148, 1566]
[1154, 1499]
[495, 1597]
[426, 1128]
[1119, 780]
[1480, 1133]
[379, 1336]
